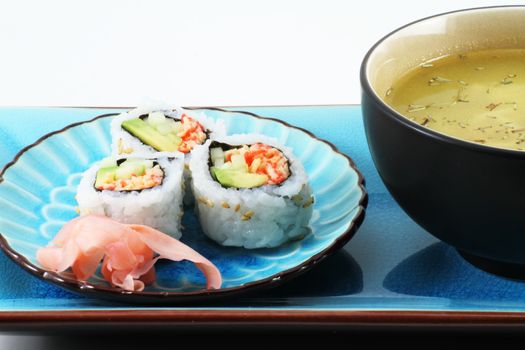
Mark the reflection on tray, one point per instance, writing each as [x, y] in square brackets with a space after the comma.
[439, 271]
[16, 283]
[338, 274]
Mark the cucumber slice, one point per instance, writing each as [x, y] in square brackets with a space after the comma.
[238, 163]
[108, 162]
[226, 165]
[131, 160]
[219, 162]
[156, 118]
[126, 171]
[216, 153]
[147, 163]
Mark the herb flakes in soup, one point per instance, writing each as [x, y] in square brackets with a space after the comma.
[476, 96]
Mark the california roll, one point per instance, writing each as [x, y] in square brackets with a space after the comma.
[135, 190]
[250, 191]
[150, 130]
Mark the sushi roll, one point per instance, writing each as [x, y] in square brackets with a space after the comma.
[163, 129]
[135, 190]
[250, 192]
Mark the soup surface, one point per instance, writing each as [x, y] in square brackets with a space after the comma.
[478, 96]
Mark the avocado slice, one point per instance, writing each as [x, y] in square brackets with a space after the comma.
[238, 179]
[147, 134]
[105, 175]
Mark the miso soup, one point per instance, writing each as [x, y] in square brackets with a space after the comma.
[477, 96]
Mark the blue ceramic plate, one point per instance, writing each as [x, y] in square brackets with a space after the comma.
[37, 191]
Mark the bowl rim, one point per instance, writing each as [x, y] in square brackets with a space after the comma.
[399, 118]
[203, 296]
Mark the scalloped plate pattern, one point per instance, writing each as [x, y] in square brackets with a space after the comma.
[37, 196]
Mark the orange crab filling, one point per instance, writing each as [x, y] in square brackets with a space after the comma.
[191, 134]
[151, 178]
[263, 159]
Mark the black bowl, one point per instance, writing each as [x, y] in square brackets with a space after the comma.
[468, 195]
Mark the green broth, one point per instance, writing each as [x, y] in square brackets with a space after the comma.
[477, 96]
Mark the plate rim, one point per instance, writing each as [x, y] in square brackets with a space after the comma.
[103, 292]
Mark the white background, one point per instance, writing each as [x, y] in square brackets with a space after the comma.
[199, 52]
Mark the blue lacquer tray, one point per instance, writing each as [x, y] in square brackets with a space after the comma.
[391, 271]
